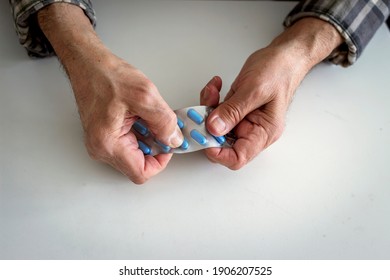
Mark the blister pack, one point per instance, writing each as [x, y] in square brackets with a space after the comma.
[192, 122]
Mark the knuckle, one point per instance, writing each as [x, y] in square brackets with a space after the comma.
[146, 92]
[233, 112]
[146, 98]
[271, 128]
[138, 179]
[149, 86]
[240, 163]
[277, 131]
[164, 125]
[170, 119]
[165, 117]
[234, 167]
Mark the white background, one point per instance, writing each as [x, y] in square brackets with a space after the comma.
[321, 192]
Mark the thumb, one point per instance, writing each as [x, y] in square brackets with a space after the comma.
[161, 121]
[229, 113]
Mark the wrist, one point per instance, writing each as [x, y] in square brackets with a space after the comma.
[308, 41]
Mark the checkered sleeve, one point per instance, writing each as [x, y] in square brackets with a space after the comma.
[356, 20]
[25, 22]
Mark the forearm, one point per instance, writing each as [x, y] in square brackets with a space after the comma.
[81, 52]
[72, 36]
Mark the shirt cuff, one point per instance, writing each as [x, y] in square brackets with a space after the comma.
[30, 35]
[346, 54]
[356, 21]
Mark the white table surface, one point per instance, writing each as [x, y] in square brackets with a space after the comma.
[321, 192]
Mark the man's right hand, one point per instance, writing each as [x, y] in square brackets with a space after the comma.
[110, 100]
[111, 95]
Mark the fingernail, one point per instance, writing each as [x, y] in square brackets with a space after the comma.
[176, 139]
[219, 125]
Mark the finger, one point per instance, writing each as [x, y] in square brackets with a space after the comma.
[209, 96]
[234, 109]
[130, 160]
[233, 158]
[246, 147]
[160, 118]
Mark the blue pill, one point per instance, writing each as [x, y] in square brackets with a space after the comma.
[180, 123]
[144, 148]
[165, 148]
[198, 137]
[220, 139]
[184, 146]
[140, 128]
[195, 116]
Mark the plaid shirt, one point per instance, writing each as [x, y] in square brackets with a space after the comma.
[356, 20]
[30, 35]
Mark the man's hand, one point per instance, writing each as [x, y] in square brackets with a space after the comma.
[257, 102]
[111, 95]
